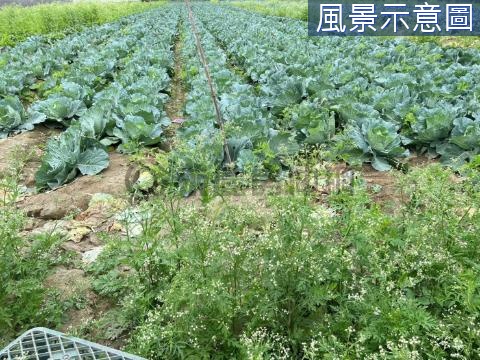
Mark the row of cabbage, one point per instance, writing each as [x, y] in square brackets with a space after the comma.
[253, 143]
[129, 109]
[36, 69]
[374, 99]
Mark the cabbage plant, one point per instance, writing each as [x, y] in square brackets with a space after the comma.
[12, 115]
[69, 154]
[464, 142]
[57, 107]
[379, 141]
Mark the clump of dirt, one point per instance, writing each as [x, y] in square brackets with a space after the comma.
[69, 282]
[74, 285]
[75, 196]
[101, 208]
[421, 160]
[81, 233]
[381, 184]
[89, 242]
[82, 236]
[92, 310]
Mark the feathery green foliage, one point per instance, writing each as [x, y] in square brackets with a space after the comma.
[299, 280]
[17, 23]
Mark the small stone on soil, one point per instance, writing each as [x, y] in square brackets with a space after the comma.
[90, 256]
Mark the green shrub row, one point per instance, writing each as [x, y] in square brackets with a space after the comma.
[18, 23]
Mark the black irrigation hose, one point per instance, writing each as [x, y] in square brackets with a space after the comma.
[213, 92]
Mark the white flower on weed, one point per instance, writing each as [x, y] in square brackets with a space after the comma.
[458, 344]
[390, 345]
[322, 213]
[414, 341]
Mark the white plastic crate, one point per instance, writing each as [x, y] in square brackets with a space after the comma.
[46, 344]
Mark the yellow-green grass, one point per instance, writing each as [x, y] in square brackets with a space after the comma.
[18, 23]
[292, 9]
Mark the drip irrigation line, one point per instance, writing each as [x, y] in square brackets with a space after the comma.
[213, 92]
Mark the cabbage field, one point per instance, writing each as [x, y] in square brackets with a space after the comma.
[404, 97]
[203, 181]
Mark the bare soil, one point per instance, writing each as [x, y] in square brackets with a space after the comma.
[74, 284]
[69, 282]
[82, 238]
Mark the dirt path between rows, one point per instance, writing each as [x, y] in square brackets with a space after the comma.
[174, 107]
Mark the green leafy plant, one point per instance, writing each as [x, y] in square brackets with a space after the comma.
[292, 278]
[380, 140]
[69, 154]
[313, 123]
[59, 108]
[13, 116]
[463, 144]
[24, 265]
